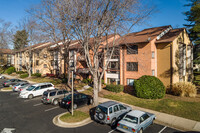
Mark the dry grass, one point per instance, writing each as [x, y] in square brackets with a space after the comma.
[184, 89]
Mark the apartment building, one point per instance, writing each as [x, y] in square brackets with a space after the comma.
[162, 52]
[6, 57]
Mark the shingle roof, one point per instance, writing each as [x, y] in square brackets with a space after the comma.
[143, 36]
[5, 51]
[170, 36]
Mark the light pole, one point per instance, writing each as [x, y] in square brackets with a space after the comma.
[72, 94]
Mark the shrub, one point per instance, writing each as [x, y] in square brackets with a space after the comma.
[36, 74]
[115, 88]
[149, 87]
[85, 81]
[24, 75]
[183, 89]
[10, 70]
[20, 72]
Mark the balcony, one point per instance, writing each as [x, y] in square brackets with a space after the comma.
[81, 58]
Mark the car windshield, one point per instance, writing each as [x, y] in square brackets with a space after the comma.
[131, 119]
[68, 98]
[101, 108]
[18, 84]
[45, 93]
[30, 88]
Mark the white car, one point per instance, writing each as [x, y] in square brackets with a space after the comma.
[36, 90]
[2, 77]
[17, 86]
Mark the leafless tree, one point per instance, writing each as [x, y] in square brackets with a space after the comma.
[5, 33]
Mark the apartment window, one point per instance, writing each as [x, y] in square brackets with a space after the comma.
[52, 62]
[1, 60]
[132, 66]
[45, 65]
[37, 62]
[153, 54]
[130, 82]
[133, 49]
[37, 71]
[113, 81]
[45, 56]
[153, 72]
[1, 55]
[51, 53]
[38, 54]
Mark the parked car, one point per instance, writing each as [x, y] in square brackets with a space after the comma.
[135, 121]
[18, 85]
[110, 112]
[36, 90]
[80, 99]
[24, 87]
[53, 96]
[12, 82]
[2, 77]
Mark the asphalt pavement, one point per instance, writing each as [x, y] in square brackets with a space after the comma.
[31, 116]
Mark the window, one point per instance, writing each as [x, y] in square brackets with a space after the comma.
[153, 54]
[110, 110]
[38, 54]
[60, 93]
[52, 62]
[49, 85]
[113, 81]
[116, 108]
[37, 62]
[37, 88]
[1, 60]
[45, 55]
[37, 71]
[130, 82]
[83, 96]
[121, 107]
[51, 53]
[53, 93]
[132, 66]
[153, 72]
[132, 49]
[45, 65]
[143, 118]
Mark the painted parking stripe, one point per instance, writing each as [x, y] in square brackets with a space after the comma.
[51, 109]
[162, 129]
[38, 104]
[111, 131]
[35, 98]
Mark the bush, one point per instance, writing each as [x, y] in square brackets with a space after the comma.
[85, 81]
[115, 88]
[183, 89]
[10, 70]
[149, 87]
[20, 72]
[24, 75]
[36, 74]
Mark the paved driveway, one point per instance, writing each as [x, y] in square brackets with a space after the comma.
[31, 116]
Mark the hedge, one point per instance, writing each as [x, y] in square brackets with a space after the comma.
[10, 70]
[24, 75]
[149, 87]
[115, 88]
[36, 74]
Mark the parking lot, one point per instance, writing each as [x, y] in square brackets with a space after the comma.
[31, 116]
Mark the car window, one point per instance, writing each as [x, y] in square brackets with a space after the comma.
[131, 119]
[30, 88]
[53, 93]
[49, 85]
[110, 110]
[143, 118]
[45, 93]
[116, 108]
[121, 107]
[60, 93]
[12, 80]
[37, 88]
[43, 86]
[78, 96]
[83, 96]
[101, 108]
[146, 116]
[64, 91]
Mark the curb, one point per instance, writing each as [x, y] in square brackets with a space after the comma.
[2, 90]
[58, 122]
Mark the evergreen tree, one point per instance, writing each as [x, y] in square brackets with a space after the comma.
[20, 39]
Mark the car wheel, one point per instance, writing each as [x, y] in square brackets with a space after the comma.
[152, 122]
[91, 101]
[55, 101]
[113, 122]
[141, 131]
[30, 96]
[75, 106]
[101, 115]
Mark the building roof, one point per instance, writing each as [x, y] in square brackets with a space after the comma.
[5, 51]
[170, 36]
[143, 36]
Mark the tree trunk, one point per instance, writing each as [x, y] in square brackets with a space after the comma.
[99, 85]
[95, 89]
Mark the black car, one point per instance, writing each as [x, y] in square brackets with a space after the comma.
[12, 82]
[80, 99]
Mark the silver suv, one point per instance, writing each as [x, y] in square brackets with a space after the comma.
[53, 96]
[110, 112]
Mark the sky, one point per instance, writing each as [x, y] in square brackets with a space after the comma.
[169, 12]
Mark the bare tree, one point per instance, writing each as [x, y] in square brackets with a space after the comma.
[5, 33]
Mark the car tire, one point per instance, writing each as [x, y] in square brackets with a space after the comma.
[113, 122]
[30, 96]
[75, 106]
[141, 131]
[55, 102]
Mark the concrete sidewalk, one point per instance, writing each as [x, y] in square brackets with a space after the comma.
[162, 118]
[16, 77]
[166, 119]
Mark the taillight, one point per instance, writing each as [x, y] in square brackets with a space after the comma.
[20, 89]
[133, 130]
[47, 99]
[69, 102]
[118, 124]
[108, 118]
[15, 87]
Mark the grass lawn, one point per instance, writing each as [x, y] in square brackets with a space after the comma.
[7, 88]
[77, 117]
[43, 79]
[185, 109]
[79, 86]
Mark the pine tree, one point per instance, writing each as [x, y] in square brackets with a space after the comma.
[20, 39]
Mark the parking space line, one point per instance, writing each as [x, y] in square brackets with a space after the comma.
[38, 104]
[34, 99]
[111, 131]
[51, 108]
[162, 129]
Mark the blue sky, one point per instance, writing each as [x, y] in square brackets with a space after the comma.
[170, 12]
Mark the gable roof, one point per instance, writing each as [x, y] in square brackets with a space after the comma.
[5, 51]
[143, 36]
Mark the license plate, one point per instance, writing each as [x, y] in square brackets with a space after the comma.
[125, 127]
